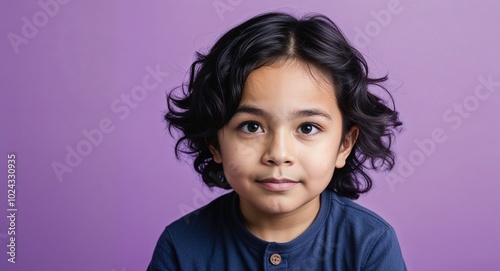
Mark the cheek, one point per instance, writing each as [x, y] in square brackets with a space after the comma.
[239, 160]
[233, 169]
[320, 166]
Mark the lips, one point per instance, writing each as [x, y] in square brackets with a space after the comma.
[277, 185]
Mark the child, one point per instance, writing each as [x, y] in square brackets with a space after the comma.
[279, 112]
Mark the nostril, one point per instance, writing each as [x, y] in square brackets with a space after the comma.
[288, 162]
[279, 162]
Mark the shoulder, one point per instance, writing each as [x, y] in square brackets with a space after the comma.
[201, 220]
[353, 213]
[194, 232]
[365, 234]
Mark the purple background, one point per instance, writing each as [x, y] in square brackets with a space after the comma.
[443, 197]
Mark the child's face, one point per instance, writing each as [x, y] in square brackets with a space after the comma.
[280, 148]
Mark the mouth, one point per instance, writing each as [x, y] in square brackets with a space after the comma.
[277, 185]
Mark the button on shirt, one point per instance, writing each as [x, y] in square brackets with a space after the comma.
[344, 236]
[275, 259]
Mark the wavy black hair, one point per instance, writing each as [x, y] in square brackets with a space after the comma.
[216, 79]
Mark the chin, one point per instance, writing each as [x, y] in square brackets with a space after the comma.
[277, 207]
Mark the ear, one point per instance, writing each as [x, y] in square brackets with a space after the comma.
[346, 146]
[216, 154]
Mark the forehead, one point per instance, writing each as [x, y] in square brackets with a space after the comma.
[289, 83]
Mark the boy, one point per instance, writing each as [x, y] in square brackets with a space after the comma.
[279, 111]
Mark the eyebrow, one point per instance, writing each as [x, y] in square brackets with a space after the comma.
[309, 112]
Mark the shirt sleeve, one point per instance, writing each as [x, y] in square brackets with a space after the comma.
[164, 256]
[385, 254]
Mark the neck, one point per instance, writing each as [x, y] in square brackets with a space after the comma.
[280, 228]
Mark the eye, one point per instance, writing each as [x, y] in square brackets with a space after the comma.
[309, 129]
[251, 127]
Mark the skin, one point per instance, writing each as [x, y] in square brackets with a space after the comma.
[287, 127]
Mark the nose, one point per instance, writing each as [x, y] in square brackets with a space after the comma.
[279, 149]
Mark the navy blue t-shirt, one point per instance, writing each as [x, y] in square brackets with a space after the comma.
[343, 236]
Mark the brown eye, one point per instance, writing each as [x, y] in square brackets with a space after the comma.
[250, 127]
[308, 129]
